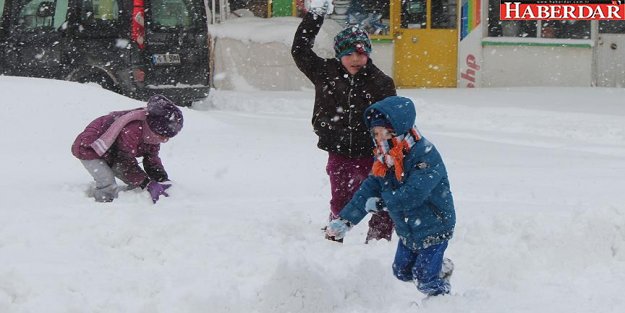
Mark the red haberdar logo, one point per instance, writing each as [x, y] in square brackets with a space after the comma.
[562, 10]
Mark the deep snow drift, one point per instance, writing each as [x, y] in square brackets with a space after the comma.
[537, 175]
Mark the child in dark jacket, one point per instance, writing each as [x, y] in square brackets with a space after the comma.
[409, 180]
[344, 87]
[110, 144]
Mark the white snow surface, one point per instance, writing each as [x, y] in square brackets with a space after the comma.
[276, 29]
[538, 176]
[256, 29]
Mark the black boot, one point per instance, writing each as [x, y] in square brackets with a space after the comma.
[331, 238]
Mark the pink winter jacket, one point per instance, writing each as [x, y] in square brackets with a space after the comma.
[123, 154]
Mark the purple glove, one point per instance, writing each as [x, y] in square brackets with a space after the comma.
[157, 189]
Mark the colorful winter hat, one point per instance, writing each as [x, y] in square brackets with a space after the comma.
[350, 40]
[163, 116]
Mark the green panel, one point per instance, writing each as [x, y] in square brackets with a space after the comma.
[381, 40]
[282, 7]
[536, 44]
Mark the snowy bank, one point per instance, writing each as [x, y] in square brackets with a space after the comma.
[537, 176]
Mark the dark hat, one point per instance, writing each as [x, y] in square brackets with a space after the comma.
[350, 40]
[399, 111]
[378, 118]
[164, 117]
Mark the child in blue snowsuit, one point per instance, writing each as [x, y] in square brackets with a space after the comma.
[409, 180]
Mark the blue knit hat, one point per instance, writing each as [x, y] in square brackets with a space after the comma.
[350, 40]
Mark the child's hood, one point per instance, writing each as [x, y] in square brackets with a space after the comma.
[399, 111]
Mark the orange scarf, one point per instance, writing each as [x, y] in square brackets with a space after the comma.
[400, 145]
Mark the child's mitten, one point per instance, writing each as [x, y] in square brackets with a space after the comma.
[157, 189]
[374, 204]
[338, 228]
[319, 7]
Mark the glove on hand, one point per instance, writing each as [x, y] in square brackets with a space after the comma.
[374, 204]
[157, 189]
[319, 7]
[337, 228]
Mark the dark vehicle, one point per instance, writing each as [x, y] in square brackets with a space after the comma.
[133, 47]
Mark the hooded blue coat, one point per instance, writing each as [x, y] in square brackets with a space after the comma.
[421, 205]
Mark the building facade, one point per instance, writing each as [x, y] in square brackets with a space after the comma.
[463, 43]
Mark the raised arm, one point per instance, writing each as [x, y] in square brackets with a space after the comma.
[302, 50]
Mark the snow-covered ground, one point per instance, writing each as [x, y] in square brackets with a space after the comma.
[538, 177]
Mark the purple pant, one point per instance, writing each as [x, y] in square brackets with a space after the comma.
[346, 175]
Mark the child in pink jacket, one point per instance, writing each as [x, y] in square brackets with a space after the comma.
[110, 145]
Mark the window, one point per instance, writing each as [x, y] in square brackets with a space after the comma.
[372, 15]
[444, 14]
[99, 18]
[3, 32]
[612, 27]
[99, 10]
[414, 14]
[534, 29]
[167, 14]
[42, 14]
[565, 29]
[37, 14]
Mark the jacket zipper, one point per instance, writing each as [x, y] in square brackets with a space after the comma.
[349, 107]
